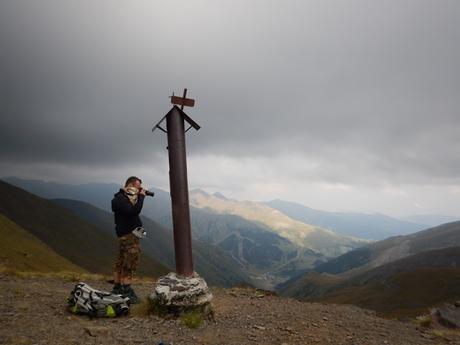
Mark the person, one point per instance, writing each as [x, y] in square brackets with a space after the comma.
[127, 204]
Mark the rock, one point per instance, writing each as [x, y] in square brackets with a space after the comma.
[426, 335]
[252, 337]
[98, 331]
[262, 328]
[173, 289]
[448, 315]
[174, 294]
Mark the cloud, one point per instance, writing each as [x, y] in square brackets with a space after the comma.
[352, 93]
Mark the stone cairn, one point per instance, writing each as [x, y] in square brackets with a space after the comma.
[175, 295]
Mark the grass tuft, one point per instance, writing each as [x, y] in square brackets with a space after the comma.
[446, 334]
[142, 309]
[423, 321]
[192, 319]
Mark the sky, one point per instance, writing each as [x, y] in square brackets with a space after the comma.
[339, 105]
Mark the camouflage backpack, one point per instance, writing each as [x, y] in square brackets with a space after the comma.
[86, 300]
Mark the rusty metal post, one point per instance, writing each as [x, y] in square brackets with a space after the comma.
[179, 192]
[194, 294]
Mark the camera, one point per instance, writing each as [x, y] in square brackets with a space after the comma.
[149, 193]
[140, 232]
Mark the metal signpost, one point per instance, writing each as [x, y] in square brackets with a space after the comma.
[175, 129]
[184, 290]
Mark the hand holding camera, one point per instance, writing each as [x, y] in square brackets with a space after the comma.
[146, 192]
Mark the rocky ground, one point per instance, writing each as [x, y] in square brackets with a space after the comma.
[32, 311]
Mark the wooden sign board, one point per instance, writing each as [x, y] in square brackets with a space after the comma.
[187, 102]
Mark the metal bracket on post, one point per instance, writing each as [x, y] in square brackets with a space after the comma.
[182, 101]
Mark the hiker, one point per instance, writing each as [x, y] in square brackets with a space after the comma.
[126, 205]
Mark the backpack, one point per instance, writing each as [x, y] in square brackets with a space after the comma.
[86, 300]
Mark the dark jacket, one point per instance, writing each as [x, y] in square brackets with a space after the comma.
[126, 214]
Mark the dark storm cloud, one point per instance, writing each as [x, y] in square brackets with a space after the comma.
[369, 85]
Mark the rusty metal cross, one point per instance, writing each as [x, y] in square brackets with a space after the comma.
[182, 101]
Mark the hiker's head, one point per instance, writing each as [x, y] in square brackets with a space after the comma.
[133, 181]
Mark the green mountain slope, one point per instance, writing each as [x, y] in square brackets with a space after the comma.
[309, 285]
[386, 251]
[21, 251]
[213, 264]
[406, 287]
[397, 276]
[394, 248]
[67, 234]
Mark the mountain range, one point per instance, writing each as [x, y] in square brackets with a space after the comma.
[83, 235]
[213, 264]
[267, 244]
[394, 248]
[402, 275]
[68, 235]
[361, 225]
[369, 226]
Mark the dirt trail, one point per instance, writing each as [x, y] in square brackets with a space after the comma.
[32, 311]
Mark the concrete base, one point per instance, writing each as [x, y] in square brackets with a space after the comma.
[175, 295]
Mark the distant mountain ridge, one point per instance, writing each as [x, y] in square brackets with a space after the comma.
[362, 225]
[383, 252]
[301, 234]
[404, 287]
[402, 275]
[99, 194]
[394, 248]
[269, 243]
[431, 219]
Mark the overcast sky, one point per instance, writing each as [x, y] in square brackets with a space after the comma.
[339, 105]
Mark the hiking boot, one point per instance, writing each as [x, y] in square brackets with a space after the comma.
[117, 289]
[129, 292]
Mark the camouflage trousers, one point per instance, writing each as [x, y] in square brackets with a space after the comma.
[128, 256]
